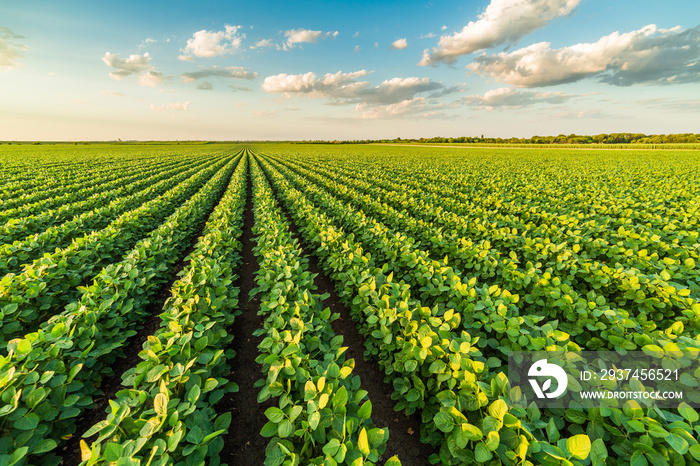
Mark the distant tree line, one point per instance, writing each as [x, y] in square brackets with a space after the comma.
[612, 138]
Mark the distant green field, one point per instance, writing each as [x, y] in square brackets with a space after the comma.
[449, 259]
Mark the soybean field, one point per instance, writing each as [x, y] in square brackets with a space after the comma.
[336, 304]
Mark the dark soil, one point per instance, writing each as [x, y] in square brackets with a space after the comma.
[404, 431]
[132, 347]
[243, 444]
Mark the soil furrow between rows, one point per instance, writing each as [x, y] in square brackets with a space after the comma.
[404, 431]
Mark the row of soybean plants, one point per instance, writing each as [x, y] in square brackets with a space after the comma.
[33, 169]
[543, 206]
[50, 376]
[28, 238]
[29, 220]
[553, 287]
[452, 261]
[632, 265]
[437, 366]
[654, 237]
[166, 414]
[322, 414]
[44, 287]
[90, 181]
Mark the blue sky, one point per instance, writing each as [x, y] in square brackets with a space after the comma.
[86, 70]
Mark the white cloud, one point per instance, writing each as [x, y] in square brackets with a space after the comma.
[648, 55]
[146, 42]
[444, 28]
[10, 50]
[356, 48]
[396, 90]
[213, 43]
[150, 79]
[393, 97]
[205, 86]
[236, 88]
[503, 21]
[429, 35]
[508, 97]
[376, 45]
[298, 36]
[231, 72]
[135, 64]
[265, 43]
[399, 44]
[337, 85]
[417, 108]
[175, 106]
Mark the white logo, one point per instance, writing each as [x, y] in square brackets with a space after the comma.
[542, 368]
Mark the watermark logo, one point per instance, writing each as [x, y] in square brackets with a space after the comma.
[542, 368]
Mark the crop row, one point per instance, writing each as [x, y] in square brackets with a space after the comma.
[166, 416]
[467, 409]
[42, 200]
[104, 210]
[20, 226]
[51, 282]
[648, 299]
[50, 377]
[323, 416]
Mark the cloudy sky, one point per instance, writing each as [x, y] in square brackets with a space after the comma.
[228, 70]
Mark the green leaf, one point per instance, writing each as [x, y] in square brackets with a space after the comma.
[579, 446]
[18, 454]
[113, 452]
[377, 437]
[695, 451]
[269, 430]
[36, 397]
[46, 445]
[656, 459]
[598, 452]
[96, 428]
[677, 443]
[274, 414]
[212, 436]
[444, 422]
[493, 439]
[481, 453]
[688, 412]
[552, 431]
[638, 459]
[27, 422]
[314, 420]
[365, 410]
[193, 394]
[472, 432]
[331, 448]
[340, 397]
[285, 429]
[150, 427]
